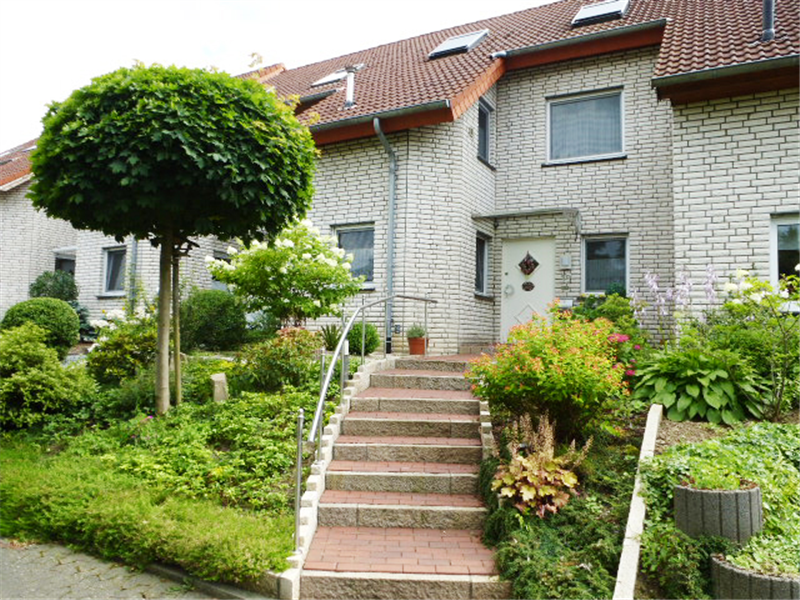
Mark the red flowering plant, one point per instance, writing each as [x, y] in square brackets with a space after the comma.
[567, 368]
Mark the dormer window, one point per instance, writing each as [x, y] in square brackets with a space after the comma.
[458, 44]
[337, 75]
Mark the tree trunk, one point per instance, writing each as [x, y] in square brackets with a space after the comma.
[162, 351]
[176, 325]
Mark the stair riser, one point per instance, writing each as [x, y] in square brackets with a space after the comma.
[446, 366]
[365, 515]
[411, 405]
[419, 382]
[402, 482]
[385, 427]
[348, 586]
[465, 455]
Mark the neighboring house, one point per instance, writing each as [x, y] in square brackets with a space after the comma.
[107, 272]
[556, 151]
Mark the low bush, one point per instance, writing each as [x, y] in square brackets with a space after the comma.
[213, 320]
[617, 309]
[715, 385]
[123, 347]
[85, 329]
[55, 284]
[197, 374]
[33, 383]
[371, 339]
[115, 516]
[330, 336]
[286, 359]
[568, 370]
[57, 318]
[132, 396]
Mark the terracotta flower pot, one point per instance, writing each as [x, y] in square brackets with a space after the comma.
[416, 345]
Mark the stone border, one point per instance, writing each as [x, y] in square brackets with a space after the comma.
[631, 545]
[267, 584]
[732, 514]
[289, 581]
[731, 581]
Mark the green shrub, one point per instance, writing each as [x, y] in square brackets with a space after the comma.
[57, 318]
[330, 336]
[715, 385]
[371, 339]
[567, 369]
[286, 359]
[85, 329]
[55, 284]
[197, 374]
[617, 309]
[122, 349]
[33, 383]
[213, 320]
[134, 395]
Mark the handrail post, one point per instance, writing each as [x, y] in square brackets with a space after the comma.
[425, 337]
[345, 368]
[322, 369]
[385, 330]
[299, 478]
[363, 329]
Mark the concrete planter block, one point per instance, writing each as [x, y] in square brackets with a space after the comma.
[730, 581]
[733, 514]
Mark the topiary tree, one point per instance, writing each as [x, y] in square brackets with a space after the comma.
[299, 275]
[57, 318]
[166, 153]
[55, 284]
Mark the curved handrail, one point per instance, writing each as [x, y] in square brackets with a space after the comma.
[323, 392]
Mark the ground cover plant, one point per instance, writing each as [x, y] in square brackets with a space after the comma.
[764, 453]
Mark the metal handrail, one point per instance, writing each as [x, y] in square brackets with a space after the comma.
[323, 392]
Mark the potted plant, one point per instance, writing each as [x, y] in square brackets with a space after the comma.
[416, 339]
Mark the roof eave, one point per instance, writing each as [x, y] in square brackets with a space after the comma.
[758, 66]
[10, 185]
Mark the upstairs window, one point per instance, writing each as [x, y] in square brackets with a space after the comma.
[114, 276]
[605, 264]
[585, 127]
[484, 131]
[359, 241]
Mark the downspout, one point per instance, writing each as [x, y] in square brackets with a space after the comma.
[376, 122]
[132, 275]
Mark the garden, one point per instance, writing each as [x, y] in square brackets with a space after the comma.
[208, 486]
[569, 397]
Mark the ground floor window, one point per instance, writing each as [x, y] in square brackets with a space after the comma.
[481, 265]
[359, 241]
[605, 265]
[784, 247]
[114, 267]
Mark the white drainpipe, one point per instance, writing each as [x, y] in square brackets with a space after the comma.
[376, 122]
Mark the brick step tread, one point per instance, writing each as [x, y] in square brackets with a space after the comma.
[422, 373]
[354, 466]
[401, 499]
[419, 394]
[407, 440]
[399, 550]
[399, 416]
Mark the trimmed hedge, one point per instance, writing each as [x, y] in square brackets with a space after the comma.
[58, 319]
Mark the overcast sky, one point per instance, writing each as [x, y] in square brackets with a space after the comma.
[48, 48]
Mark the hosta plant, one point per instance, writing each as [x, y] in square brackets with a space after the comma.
[535, 479]
[695, 383]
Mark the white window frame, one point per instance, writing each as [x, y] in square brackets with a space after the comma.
[585, 256]
[106, 254]
[785, 219]
[369, 226]
[556, 100]
[486, 245]
[485, 107]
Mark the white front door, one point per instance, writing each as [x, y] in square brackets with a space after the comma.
[528, 281]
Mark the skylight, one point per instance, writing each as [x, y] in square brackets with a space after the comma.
[335, 76]
[459, 43]
[602, 11]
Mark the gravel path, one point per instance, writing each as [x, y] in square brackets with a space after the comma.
[49, 571]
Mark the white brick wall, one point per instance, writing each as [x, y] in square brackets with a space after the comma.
[735, 165]
[27, 240]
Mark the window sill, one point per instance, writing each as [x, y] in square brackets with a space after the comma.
[487, 163]
[584, 160]
[111, 295]
[482, 296]
[368, 287]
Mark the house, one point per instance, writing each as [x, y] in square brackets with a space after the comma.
[107, 272]
[558, 151]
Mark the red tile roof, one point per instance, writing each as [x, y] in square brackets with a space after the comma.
[699, 35]
[15, 164]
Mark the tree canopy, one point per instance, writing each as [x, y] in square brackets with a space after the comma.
[145, 149]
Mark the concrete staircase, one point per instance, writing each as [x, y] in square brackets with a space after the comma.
[400, 516]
